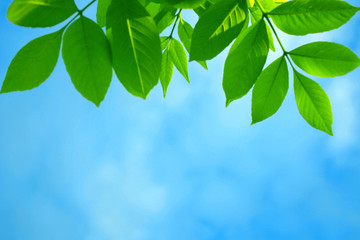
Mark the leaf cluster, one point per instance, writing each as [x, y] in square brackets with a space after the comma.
[127, 38]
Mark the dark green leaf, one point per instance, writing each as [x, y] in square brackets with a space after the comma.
[312, 16]
[270, 90]
[135, 45]
[102, 8]
[87, 57]
[200, 11]
[215, 30]
[325, 59]
[313, 103]
[40, 13]
[185, 3]
[245, 61]
[33, 64]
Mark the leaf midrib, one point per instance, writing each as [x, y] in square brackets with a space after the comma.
[223, 22]
[128, 23]
[273, 81]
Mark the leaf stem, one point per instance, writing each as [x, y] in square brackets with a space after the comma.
[265, 15]
[176, 20]
[82, 10]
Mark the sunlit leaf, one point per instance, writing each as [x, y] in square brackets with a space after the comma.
[311, 16]
[313, 103]
[40, 13]
[325, 59]
[179, 58]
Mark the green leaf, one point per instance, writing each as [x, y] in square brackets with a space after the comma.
[102, 8]
[163, 15]
[250, 3]
[40, 13]
[164, 42]
[215, 30]
[325, 59]
[185, 32]
[179, 58]
[136, 48]
[185, 3]
[245, 61]
[200, 11]
[167, 69]
[312, 16]
[267, 5]
[313, 103]
[256, 15]
[270, 90]
[87, 57]
[33, 64]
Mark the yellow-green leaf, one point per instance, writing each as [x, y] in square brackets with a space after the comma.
[312, 16]
[40, 13]
[325, 59]
[313, 103]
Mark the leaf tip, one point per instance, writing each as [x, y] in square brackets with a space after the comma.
[330, 132]
[227, 103]
[253, 122]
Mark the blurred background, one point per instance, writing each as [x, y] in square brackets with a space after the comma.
[184, 167]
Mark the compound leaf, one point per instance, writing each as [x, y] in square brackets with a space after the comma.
[87, 57]
[33, 64]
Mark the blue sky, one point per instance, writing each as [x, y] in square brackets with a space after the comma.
[184, 167]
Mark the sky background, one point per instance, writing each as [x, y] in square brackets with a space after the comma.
[184, 167]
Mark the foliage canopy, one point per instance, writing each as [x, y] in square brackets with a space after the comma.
[126, 37]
